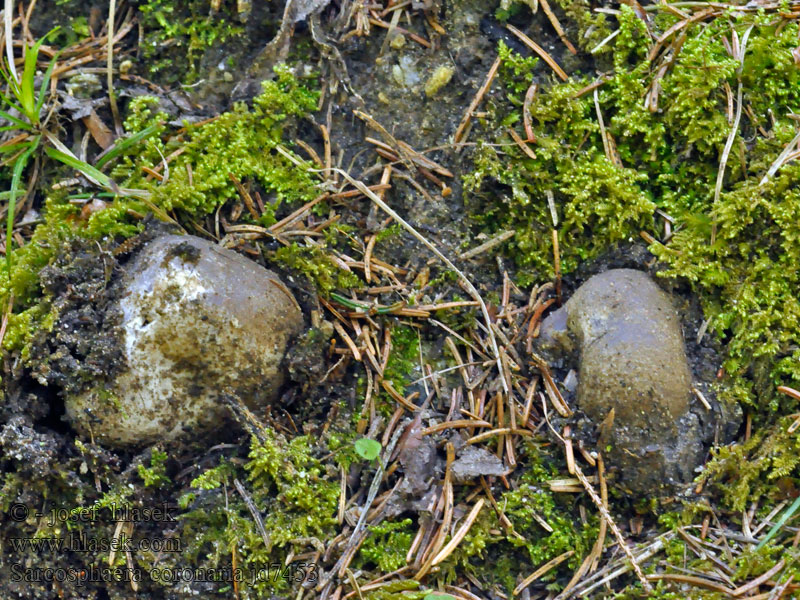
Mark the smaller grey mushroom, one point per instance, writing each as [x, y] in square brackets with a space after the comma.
[634, 379]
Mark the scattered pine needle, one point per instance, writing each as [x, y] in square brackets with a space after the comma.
[540, 51]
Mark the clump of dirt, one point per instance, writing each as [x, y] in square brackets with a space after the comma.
[82, 347]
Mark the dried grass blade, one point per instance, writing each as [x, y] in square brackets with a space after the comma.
[551, 564]
[476, 101]
[540, 51]
[462, 531]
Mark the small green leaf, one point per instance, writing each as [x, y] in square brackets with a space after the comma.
[436, 596]
[367, 449]
[781, 522]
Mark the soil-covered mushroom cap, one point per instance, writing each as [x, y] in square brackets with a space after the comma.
[194, 321]
[634, 379]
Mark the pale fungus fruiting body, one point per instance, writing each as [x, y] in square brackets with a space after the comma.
[195, 321]
[634, 379]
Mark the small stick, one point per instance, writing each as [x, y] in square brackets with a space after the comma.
[447, 495]
[692, 580]
[781, 160]
[732, 135]
[476, 101]
[526, 111]
[297, 214]
[557, 265]
[488, 245]
[254, 512]
[460, 534]
[245, 195]
[507, 525]
[698, 16]
[742, 590]
[551, 564]
[367, 255]
[576, 577]
[419, 39]
[311, 152]
[347, 340]
[538, 50]
[789, 391]
[457, 424]
[604, 41]
[557, 26]
[702, 398]
[342, 495]
[112, 99]
[521, 143]
[614, 529]
[597, 551]
[500, 431]
[569, 452]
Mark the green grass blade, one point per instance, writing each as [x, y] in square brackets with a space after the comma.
[19, 166]
[12, 87]
[95, 175]
[19, 122]
[45, 84]
[13, 147]
[776, 528]
[27, 84]
[124, 144]
[13, 84]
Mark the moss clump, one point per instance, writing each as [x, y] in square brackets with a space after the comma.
[156, 474]
[288, 486]
[755, 468]
[387, 545]
[606, 188]
[317, 265]
[404, 357]
[242, 142]
[179, 33]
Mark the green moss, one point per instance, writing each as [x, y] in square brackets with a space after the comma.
[156, 474]
[527, 541]
[177, 34]
[387, 545]
[748, 471]
[404, 357]
[317, 265]
[592, 26]
[287, 483]
[243, 142]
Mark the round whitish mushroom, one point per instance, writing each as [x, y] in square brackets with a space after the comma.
[194, 320]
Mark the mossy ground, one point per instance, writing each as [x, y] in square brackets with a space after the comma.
[665, 160]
